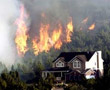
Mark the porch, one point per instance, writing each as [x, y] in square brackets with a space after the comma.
[59, 73]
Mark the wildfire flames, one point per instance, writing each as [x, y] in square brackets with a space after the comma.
[48, 37]
[42, 45]
[47, 41]
[69, 31]
[92, 27]
[56, 37]
[21, 34]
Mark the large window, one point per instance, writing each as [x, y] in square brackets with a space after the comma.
[59, 64]
[76, 64]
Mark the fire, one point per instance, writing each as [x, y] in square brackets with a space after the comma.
[85, 20]
[69, 30]
[56, 34]
[43, 43]
[92, 27]
[21, 34]
[47, 40]
[58, 45]
[35, 47]
[44, 38]
[56, 37]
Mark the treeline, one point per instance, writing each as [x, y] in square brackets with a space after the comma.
[11, 81]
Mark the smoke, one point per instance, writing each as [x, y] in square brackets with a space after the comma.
[53, 11]
[8, 13]
[62, 9]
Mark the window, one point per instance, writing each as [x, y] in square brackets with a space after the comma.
[76, 64]
[59, 64]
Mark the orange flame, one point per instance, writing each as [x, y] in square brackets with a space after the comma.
[43, 44]
[69, 30]
[35, 47]
[21, 34]
[92, 27]
[47, 40]
[44, 38]
[56, 37]
[56, 34]
[58, 44]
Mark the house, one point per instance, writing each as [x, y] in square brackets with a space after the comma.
[75, 65]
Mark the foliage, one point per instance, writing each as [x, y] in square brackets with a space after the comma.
[76, 86]
[47, 83]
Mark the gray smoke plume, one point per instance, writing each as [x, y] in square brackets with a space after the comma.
[62, 9]
[8, 13]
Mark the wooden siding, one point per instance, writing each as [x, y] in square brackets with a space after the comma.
[82, 68]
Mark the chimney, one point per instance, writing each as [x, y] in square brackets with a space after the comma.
[97, 60]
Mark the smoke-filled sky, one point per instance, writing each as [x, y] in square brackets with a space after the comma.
[8, 14]
[62, 9]
[55, 10]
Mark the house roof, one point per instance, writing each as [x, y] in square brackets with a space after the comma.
[59, 69]
[80, 55]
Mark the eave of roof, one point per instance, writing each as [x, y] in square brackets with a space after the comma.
[59, 69]
[70, 55]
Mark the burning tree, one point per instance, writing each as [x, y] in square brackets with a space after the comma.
[21, 33]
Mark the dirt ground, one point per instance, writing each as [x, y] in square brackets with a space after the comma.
[57, 88]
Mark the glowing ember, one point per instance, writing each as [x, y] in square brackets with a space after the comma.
[69, 30]
[85, 20]
[92, 27]
[21, 34]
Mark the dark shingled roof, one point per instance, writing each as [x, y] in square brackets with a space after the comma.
[70, 55]
[59, 69]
